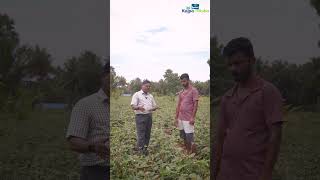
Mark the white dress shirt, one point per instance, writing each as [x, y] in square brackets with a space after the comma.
[144, 100]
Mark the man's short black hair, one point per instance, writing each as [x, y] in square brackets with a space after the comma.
[145, 82]
[184, 76]
[236, 45]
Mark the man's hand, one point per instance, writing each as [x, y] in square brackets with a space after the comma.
[140, 108]
[273, 149]
[101, 148]
[176, 122]
[191, 121]
[137, 108]
[155, 108]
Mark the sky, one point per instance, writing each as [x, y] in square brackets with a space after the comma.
[150, 36]
[64, 28]
[278, 29]
[287, 29]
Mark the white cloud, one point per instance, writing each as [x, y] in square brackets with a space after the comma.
[150, 36]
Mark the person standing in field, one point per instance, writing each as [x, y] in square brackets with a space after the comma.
[143, 105]
[88, 131]
[250, 121]
[186, 112]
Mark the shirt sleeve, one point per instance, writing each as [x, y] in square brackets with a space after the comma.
[134, 100]
[195, 95]
[273, 104]
[79, 121]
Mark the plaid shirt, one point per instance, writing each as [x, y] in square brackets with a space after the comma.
[90, 120]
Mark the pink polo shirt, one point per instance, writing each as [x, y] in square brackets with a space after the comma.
[187, 98]
[247, 118]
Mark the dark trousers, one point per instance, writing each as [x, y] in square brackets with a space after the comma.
[143, 125]
[95, 173]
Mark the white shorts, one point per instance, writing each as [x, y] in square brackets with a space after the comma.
[186, 126]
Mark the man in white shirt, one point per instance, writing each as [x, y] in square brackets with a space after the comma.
[143, 105]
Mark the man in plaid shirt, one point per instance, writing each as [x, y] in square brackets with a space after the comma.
[89, 129]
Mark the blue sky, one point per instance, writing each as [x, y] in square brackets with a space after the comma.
[149, 36]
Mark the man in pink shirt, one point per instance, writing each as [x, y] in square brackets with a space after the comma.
[186, 112]
[250, 122]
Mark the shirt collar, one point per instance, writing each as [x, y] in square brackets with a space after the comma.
[257, 81]
[189, 87]
[144, 92]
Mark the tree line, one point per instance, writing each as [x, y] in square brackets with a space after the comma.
[169, 85]
[27, 74]
[299, 83]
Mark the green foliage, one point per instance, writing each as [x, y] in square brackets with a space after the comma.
[116, 93]
[202, 87]
[170, 85]
[172, 82]
[20, 104]
[9, 41]
[80, 76]
[38, 61]
[165, 160]
[18, 63]
[135, 85]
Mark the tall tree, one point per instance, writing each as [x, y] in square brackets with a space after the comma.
[113, 75]
[9, 41]
[172, 82]
[39, 63]
[221, 79]
[121, 81]
[81, 76]
[135, 85]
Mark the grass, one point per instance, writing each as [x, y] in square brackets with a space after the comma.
[300, 151]
[35, 148]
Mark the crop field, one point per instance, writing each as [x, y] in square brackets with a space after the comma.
[34, 148]
[166, 159]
